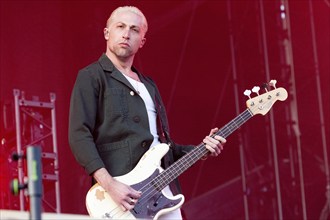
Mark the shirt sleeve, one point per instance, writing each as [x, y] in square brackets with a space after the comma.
[82, 117]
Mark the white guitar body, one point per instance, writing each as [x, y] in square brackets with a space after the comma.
[100, 205]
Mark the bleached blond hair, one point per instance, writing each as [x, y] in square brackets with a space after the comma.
[130, 9]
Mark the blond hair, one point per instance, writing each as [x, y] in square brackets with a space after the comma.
[130, 9]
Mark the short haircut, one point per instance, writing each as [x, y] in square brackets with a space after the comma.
[130, 9]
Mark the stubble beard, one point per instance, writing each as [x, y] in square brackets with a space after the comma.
[122, 52]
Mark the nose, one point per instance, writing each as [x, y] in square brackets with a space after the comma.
[126, 34]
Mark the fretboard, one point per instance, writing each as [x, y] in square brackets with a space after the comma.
[181, 165]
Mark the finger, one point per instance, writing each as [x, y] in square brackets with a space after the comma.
[211, 141]
[127, 206]
[217, 151]
[123, 208]
[135, 194]
[213, 146]
[221, 139]
[209, 148]
[213, 131]
[131, 201]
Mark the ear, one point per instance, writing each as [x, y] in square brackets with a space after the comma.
[143, 41]
[106, 33]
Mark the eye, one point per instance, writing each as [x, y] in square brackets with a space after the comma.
[135, 29]
[120, 25]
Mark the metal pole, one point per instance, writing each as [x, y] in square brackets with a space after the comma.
[56, 165]
[34, 181]
[326, 209]
[293, 106]
[271, 116]
[241, 148]
[19, 148]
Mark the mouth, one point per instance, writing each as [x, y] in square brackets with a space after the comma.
[124, 44]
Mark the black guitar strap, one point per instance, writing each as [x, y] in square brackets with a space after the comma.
[162, 128]
[164, 136]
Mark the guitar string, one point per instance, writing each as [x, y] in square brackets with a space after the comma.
[197, 153]
[203, 150]
[224, 131]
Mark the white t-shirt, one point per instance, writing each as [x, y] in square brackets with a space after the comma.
[150, 105]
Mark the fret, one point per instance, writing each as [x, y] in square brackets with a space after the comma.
[181, 165]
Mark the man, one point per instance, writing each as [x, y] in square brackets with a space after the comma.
[116, 113]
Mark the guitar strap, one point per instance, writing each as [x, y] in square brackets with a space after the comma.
[162, 128]
[164, 136]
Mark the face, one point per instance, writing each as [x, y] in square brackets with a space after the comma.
[124, 34]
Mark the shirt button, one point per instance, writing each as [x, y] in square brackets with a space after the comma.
[144, 144]
[136, 119]
[131, 93]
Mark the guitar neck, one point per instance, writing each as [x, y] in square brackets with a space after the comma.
[181, 165]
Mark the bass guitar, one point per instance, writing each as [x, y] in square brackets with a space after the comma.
[149, 177]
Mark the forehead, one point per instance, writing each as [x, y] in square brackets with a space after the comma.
[127, 17]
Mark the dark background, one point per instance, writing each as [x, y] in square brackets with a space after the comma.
[188, 53]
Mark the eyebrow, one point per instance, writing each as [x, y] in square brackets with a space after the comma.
[130, 26]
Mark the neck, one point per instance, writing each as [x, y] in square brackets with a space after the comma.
[124, 65]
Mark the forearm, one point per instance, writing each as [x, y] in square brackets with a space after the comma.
[103, 177]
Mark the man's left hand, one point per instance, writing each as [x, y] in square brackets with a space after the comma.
[214, 144]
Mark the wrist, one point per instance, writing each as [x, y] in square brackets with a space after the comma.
[102, 176]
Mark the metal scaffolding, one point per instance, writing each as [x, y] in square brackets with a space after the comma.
[33, 128]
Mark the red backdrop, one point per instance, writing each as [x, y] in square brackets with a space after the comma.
[44, 43]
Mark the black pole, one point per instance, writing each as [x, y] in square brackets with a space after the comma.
[34, 181]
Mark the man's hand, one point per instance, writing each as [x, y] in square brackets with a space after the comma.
[214, 144]
[122, 194]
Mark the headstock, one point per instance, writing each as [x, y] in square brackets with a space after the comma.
[261, 104]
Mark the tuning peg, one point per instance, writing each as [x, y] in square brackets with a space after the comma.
[256, 89]
[264, 86]
[273, 83]
[247, 92]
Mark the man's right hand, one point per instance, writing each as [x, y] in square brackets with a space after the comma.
[121, 193]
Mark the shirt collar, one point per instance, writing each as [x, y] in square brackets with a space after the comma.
[106, 63]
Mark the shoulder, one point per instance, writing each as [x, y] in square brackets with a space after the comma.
[90, 76]
[93, 70]
[98, 67]
[93, 67]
